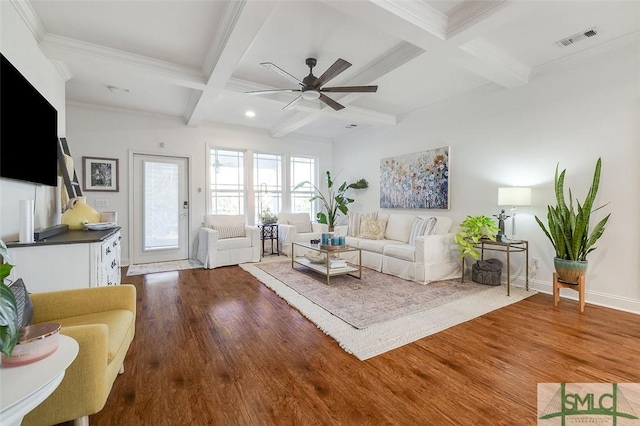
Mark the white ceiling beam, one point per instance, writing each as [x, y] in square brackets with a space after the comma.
[243, 21]
[68, 50]
[485, 59]
[475, 54]
[418, 13]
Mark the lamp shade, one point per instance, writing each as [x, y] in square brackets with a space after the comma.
[514, 196]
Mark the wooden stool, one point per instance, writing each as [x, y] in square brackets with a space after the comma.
[579, 287]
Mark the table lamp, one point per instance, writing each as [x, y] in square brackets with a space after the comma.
[514, 196]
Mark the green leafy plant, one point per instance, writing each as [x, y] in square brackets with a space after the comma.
[9, 330]
[472, 230]
[266, 216]
[336, 200]
[569, 228]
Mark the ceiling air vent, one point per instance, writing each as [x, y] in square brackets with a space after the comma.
[577, 37]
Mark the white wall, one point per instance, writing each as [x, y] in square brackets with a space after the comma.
[113, 134]
[18, 45]
[503, 137]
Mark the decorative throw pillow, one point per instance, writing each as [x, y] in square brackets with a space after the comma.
[354, 222]
[301, 227]
[431, 226]
[422, 227]
[372, 229]
[229, 231]
[23, 302]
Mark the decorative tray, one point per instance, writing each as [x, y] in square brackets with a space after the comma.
[99, 226]
[330, 248]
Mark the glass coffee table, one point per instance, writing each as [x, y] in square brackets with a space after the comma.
[350, 268]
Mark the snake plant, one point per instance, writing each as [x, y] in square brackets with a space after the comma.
[9, 330]
[568, 228]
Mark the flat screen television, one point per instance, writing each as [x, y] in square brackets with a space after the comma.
[28, 130]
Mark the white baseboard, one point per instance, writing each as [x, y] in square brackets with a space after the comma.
[619, 303]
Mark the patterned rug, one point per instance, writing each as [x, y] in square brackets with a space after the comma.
[389, 311]
[152, 268]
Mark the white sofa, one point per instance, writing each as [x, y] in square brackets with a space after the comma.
[227, 240]
[298, 228]
[431, 258]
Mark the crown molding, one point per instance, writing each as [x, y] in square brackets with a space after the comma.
[419, 14]
[30, 18]
[63, 69]
[587, 53]
[59, 47]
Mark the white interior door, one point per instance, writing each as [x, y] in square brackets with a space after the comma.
[161, 208]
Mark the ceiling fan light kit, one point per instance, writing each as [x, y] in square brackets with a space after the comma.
[311, 87]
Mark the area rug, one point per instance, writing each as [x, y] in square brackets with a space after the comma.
[385, 335]
[152, 268]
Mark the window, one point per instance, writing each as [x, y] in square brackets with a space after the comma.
[303, 169]
[227, 190]
[267, 184]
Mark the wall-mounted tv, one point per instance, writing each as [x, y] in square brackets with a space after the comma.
[28, 130]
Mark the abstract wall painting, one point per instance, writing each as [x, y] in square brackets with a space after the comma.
[415, 181]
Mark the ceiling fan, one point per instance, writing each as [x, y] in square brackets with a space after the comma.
[312, 86]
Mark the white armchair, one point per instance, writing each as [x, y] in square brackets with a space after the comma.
[297, 228]
[227, 240]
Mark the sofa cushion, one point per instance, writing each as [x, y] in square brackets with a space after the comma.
[234, 243]
[117, 321]
[229, 231]
[400, 251]
[372, 229]
[422, 226]
[375, 246]
[302, 227]
[223, 220]
[399, 227]
[443, 225]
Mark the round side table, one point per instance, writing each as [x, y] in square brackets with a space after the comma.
[23, 388]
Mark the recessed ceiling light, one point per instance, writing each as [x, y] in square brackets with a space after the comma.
[250, 114]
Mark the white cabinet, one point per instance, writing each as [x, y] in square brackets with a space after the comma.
[75, 259]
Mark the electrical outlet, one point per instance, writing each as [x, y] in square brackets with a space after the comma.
[101, 202]
[535, 262]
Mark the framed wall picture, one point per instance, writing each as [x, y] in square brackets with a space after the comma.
[100, 174]
[415, 181]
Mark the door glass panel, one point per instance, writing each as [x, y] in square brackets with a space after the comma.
[161, 206]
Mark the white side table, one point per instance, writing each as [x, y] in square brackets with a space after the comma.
[23, 388]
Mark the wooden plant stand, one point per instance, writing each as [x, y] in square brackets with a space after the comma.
[579, 287]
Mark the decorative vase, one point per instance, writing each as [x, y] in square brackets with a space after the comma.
[570, 270]
[78, 213]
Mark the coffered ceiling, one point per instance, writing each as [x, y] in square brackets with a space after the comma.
[196, 59]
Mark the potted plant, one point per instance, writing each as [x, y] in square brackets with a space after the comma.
[336, 200]
[472, 230]
[568, 228]
[267, 217]
[9, 329]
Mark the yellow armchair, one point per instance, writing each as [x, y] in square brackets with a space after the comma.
[102, 321]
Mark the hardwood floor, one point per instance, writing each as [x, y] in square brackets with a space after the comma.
[217, 347]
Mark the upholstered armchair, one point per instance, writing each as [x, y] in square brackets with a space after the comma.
[297, 228]
[102, 321]
[227, 240]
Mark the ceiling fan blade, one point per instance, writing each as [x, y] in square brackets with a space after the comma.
[266, 92]
[338, 66]
[292, 103]
[277, 69]
[333, 104]
[354, 89]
